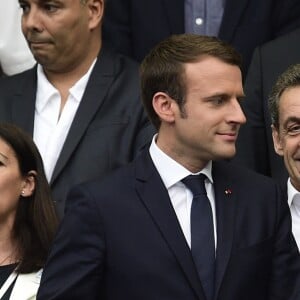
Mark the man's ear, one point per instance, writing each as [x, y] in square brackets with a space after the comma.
[96, 9]
[277, 141]
[163, 105]
[29, 184]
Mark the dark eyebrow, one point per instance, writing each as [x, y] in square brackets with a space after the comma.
[23, 2]
[216, 95]
[291, 119]
[224, 95]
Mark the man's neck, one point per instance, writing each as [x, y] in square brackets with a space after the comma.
[64, 80]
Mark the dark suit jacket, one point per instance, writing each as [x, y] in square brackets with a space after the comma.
[255, 145]
[120, 239]
[135, 26]
[108, 129]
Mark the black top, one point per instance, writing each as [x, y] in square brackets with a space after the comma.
[5, 271]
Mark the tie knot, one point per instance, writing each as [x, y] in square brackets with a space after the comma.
[195, 183]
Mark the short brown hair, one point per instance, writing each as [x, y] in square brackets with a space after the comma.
[162, 70]
[288, 79]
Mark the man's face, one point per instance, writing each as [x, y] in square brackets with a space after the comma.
[207, 127]
[287, 137]
[57, 32]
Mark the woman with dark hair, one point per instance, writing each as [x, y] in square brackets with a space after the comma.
[28, 220]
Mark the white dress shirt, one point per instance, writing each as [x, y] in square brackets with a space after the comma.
[181, 198]
[15, 55]
[294, 203]
[50, 127]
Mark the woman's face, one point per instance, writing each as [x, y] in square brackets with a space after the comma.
[12, 183]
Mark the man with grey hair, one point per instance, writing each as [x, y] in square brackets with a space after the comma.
[284, 105]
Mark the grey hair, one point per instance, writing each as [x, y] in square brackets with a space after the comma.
[288, 79]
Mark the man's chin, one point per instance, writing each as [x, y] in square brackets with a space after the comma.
[225, 155]
[42, 57]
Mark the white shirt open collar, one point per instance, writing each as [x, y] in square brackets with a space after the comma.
[294, 203]
[45, 90]
[51, 126]
[291, 192]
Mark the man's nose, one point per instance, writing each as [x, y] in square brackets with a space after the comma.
[31, 20]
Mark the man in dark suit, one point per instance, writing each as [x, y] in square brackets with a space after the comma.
[255, 145]
[284, 104]
[135, 26]
[135, 234]
[81, 102]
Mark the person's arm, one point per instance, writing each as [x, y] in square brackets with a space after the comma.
[74, 269]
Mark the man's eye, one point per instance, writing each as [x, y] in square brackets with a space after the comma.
[218, 101]
[50, 7]
[294, 130]
[25, 8]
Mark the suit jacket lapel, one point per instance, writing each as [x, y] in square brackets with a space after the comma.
[154, 195]
[23, 102]
[233, 12]
[226, 201]
[174, 10]
[100, 80]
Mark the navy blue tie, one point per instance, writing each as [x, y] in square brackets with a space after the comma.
[202, 233]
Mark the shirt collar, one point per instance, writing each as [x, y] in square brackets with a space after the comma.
[45, 90]
[78, 88]
[292, 192]
[171, 171]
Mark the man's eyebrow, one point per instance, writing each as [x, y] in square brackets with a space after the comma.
[224, 95]
[23, 1]
[291, 119]
[215, 95]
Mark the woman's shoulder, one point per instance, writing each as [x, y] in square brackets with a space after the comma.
[26, 286]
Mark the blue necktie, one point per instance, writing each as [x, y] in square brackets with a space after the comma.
[202, 233]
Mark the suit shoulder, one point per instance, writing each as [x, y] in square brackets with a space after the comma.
[114, 182]
[282, 43]
[124, 75]
[119, 62]
[15, 81]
